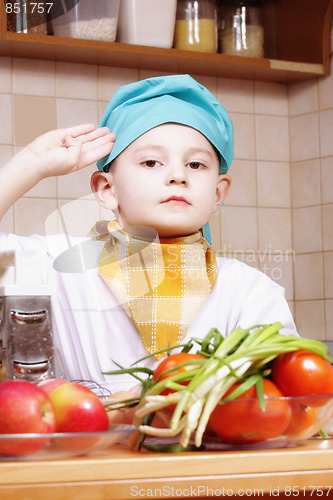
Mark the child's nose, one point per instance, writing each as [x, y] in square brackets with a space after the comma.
[176, 175]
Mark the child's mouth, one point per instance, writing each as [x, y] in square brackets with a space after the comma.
[176, 200]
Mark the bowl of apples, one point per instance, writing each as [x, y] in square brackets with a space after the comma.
[54, 419]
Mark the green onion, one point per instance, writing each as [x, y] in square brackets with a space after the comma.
[244, 356]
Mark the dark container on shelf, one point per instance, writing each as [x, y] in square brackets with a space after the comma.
[24, 16]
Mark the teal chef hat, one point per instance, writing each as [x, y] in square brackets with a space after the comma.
[140, 106]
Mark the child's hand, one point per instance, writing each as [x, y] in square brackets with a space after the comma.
[120, 416]
[63, 151]
[58, 152]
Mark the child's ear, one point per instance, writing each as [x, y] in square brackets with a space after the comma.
[102, 186]
[222, 189]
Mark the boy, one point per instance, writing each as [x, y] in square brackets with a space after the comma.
[148, 279]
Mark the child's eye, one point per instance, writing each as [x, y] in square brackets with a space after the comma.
[151, 163]
[195, 165]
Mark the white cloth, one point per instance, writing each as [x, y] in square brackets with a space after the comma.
[91, 329]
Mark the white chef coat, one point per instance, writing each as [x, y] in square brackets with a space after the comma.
[91, 329]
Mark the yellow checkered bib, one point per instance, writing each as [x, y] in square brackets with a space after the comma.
[161, 284]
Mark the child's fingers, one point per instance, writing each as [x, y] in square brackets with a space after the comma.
[93, 151]
[91, 141]
[78, 130]
[88, 135]
[97, 134]
[96, 144]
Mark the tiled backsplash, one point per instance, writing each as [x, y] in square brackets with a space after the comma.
[278, 216]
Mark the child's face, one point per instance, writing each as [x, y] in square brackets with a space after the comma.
[167, 179]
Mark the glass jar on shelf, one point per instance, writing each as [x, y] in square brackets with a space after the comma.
[196, 25]
[241, 28]
[88, 19]
[24, 16]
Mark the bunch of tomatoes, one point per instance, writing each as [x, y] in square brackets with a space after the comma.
[298, 384]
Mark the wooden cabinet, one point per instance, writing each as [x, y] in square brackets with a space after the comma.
[297, 40]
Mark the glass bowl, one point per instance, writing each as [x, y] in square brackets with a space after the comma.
[60, 445]
[308, 416]
[246, 426]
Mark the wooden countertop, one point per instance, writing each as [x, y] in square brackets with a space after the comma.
[119, 473]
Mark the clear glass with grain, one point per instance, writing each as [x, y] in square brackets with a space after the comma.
[88, 19]
[196, 26]
[241, 28]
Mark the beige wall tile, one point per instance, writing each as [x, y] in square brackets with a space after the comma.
[308, 276]
[307, 231]
[279, 267]
[328, 274]
[101, 108]
[46, 188]
[273, 184]
[251, 258]
[152, 73]
[77, 217]
[33, 77]
[236, 95]
[243, 191]
[325, 92]
[274, 229]
[31, 215]
[77, 184]
[239, 228]
[304, 137]
[303, 97]
[6, 119]
[71, 112]
[6, 153]
[109, 79]
[7, 221]
[210, 82]
[5, 74]
[310, 319]
[305, 183]
[272, 138]
[291, 305]
[329, 319]
[215, 229]
[52, 222]
[77, 81]
[33, 116]
[327, 179]
[244, 133]
[327, 214]
[106, 214]
[325, 123]
[271, 98]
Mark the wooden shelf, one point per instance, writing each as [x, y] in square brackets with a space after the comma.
[306, 64]
[118, 473]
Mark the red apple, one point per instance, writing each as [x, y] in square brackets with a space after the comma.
[78, 409]
[24, 408]
[50, 384]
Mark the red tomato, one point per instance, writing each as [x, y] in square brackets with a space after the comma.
[173, 363]
[243, 421]
[303, 373]
[303, 417]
